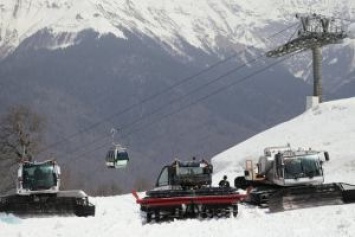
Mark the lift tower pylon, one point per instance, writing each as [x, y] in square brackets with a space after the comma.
[315, 31]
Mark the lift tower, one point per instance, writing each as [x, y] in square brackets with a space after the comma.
[315, 31]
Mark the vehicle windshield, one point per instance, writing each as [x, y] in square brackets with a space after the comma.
[163, 178]
[38, 177]
[302, 166]
[190, 170]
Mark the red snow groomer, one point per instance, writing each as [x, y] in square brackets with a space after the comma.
[183, 190]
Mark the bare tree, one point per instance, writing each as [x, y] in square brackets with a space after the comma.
[20, 137]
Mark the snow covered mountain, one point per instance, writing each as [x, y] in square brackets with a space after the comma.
[329, 126]
[214, 27]
[206, 24]
[78, 62]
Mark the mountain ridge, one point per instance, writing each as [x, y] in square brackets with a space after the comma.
[215, 28]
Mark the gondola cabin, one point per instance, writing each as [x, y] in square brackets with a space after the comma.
[117, 157]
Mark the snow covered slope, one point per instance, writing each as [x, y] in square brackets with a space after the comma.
[329, 126]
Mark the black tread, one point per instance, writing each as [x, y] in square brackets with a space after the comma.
[46, 204]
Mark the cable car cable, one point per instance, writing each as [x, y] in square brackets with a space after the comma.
[194, 103]
[149, 98]
[156, 111]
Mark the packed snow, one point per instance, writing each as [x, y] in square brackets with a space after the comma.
[329, 126]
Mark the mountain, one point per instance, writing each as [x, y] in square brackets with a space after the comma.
[329, 126]
[136, 66]
[214, 27]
